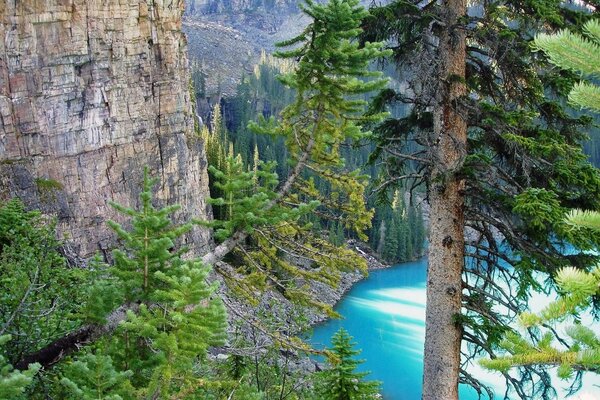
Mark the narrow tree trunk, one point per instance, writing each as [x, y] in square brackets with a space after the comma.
[446, 237]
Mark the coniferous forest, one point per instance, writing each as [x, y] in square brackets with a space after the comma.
[374, 135]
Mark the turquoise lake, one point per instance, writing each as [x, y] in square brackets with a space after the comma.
[385, 314]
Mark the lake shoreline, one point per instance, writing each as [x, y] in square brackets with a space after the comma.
[333, 295]
[385, 316]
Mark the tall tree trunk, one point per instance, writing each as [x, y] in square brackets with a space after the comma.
[446, 237]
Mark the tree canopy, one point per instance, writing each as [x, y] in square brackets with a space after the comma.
[522, 166]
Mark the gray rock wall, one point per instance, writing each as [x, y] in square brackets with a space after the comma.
[91, 91]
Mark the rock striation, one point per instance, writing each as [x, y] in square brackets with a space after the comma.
[237, 6]
[91, 91]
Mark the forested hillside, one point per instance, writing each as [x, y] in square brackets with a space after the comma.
[398, 229]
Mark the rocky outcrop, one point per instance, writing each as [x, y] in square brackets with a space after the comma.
[237, 6]
[91, 91]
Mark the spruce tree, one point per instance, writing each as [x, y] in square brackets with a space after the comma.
[508, 159]
[577, 287]
[341, 381]
[178, 318]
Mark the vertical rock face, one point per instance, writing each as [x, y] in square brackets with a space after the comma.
[91, 91]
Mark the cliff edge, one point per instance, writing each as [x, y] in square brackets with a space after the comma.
[90, 92]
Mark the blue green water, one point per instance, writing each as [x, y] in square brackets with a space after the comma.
[386, 316]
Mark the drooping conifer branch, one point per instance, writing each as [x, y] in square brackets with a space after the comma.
[240, 236]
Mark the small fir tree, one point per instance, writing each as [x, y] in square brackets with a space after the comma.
[341, 381]
[178, 319]
[93, 377]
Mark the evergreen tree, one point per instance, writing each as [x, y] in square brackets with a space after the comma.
[497, 158]
[93, 377]
[13, 382]
[341, 381]
[41, 296]
[577, 287]
[178, 318]
[393, 245]
[272, 220]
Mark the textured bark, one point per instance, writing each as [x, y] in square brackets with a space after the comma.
[446, 237]
[65, 345]
[90, 92]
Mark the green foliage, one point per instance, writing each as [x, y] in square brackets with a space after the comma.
[47, 185]
[539, 207]
[262, 94]
[577, 288]
[13, 382]
[179, 317]
[399, 233]
[157, 352]
[40, 295]
[580, 54]
[326, 69]
[93, 377]
[147, 246]
[341, 381]
[103, 294]
[583, 219]
[247, 195]
[260, 366]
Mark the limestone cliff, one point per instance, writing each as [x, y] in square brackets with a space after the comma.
[90, 92]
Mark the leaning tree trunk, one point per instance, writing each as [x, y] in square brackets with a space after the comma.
[446, 238]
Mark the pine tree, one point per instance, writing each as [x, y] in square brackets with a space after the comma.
[577, 287]
[147, 247]
[505, 167]
[341, 381]
[273, 219]
[178, 318]
[393, 245]
[93, 377]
